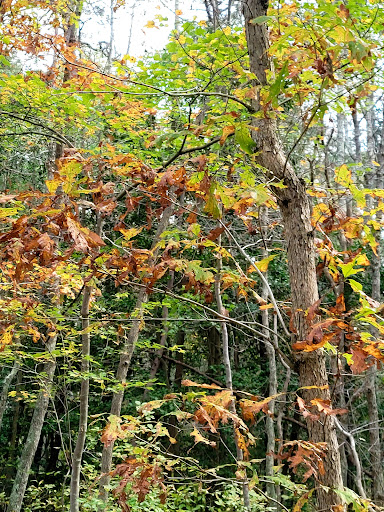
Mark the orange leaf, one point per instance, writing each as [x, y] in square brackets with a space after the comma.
[227, 130]
[325, 407]
[198, 385]
[199, 438]
[251, 407]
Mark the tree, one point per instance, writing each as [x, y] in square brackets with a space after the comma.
[298, 232]
[199, 201]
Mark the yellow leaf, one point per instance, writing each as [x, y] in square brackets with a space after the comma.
[52, 185]
[178, 12]
[227, 130]
[227, 30]
[266, 306]
[6, 212]
[182, 39]
[262, 265]
[150, 24]
[130, 233]
[200, 439]
[375, 163]
[362, 259]
[6, 338]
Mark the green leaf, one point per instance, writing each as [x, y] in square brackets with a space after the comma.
[355, 285]
[212, 206]
[260, 194]
[244, 140]
[261, 19]
[277, 85]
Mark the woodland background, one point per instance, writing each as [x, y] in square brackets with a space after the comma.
[190, 257]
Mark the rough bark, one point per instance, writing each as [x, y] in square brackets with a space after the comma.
[124, 364]
[71, 33]
[27, 455]
[298, 232]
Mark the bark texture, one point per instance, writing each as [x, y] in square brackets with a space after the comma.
[28, 454]
[295, 209]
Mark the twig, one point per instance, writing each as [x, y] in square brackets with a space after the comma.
[358, 477]
[270, 293]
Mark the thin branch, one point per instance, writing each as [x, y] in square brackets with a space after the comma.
[36, 123]
[356, 458]
[48, 135]
[192, 150]
[171, 94]
[213, 312]
[193, 369]
[270, 293]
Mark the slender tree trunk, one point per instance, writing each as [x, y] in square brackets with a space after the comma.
[27, 455]
[124, 363]
[374, 180]
[111, 34]
[340, 151]
[327, 166]
[177, 16]
[271, 355]
[164, 335]
[228, 372]
[295, 209]
[4, 392]
[84, 401]
[131, 28]
[356, 135]
[179, 371]
[71, 33]
[282, 407]
[356, 459]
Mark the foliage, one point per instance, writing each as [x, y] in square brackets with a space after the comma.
[94, 163]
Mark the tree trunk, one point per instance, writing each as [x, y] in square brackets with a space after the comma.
[228, 372]
[374, 180]
[111, 35]
[84, 401]
[124, 363]
[30, 446]
[179, 370]
[271, 355]
[164, 335]
[295, 209]
[4, 392]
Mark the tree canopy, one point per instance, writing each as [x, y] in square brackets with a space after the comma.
[190, 259]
